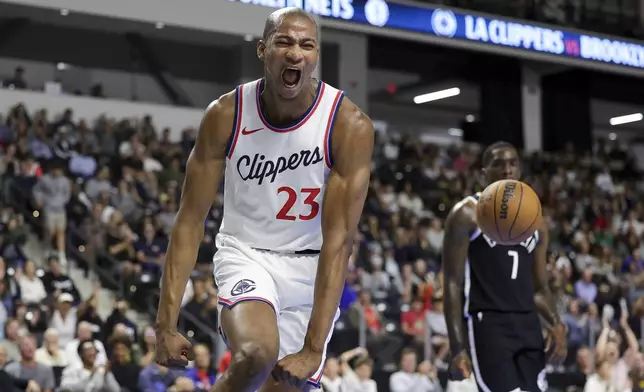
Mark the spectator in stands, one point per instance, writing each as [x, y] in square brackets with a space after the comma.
[99, 184]
[608, 351]
[64, 318]
[182, 384]
[202, 374]
[585, 288]
[201, 305]
[18, 80]
[119, 316]
[224, 362]
[51, 193]
[88, 375]
[3, 357]
[124, 368]
[148, 343]
[27, 368]
[31, 287]
[51, 354]
[11, 340]
[331, 380]
[84, 333]
[600, 381]
[156, 378]
[88, 312]
[438, 330]
[56, 282]
[13, 236]
[358, 377]
[150, 249]
[407, 379]
[120, 244]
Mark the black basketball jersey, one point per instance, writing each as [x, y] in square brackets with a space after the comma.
[499, 277]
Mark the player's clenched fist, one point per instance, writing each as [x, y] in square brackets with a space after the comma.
[296, 369]
[173, 349]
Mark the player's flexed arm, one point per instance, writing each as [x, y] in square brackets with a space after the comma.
[458, 227]
[345, 194]
[544, 300]
[203, 174]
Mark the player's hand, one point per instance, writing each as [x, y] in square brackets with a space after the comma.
[461, 367]
[557, 342]
[173, 350]
[296, 369]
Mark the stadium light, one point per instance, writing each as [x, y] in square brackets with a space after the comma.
[436, 95]
[629, 118]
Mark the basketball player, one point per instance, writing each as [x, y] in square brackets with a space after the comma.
[297, 158]
[492, 294]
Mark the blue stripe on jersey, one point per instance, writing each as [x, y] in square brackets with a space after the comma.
[334, 116]
[233, 134]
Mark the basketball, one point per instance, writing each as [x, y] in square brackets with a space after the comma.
[508, 212]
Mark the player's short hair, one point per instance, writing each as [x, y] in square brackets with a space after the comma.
[275, 19]
[487, 154]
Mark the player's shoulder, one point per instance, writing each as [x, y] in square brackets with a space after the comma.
[219, 116]
[350, 119]
[464, 213]
[224, 105]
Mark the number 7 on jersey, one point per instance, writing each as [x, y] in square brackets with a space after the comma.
[515, 263]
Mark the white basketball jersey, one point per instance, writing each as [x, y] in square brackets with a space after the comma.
[275, 177]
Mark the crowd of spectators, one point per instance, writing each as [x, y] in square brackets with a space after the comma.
[103, 193]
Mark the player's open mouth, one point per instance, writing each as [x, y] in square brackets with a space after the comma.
[291, 77]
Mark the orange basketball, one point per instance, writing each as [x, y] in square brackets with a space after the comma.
[508, 212]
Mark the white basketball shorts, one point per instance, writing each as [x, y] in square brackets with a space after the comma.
[284, 281]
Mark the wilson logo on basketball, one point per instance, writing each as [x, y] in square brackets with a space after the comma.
[508, 194]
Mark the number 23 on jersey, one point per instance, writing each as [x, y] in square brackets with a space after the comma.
[305, 196]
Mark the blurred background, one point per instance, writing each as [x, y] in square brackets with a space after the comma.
[99, 107]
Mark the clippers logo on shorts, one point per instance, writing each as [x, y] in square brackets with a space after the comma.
[242, 287]
[259, 168]
[508, 194]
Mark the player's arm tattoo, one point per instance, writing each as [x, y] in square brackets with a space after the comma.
[345, 195]
[203, 174]
[543, 298]
[455, 247]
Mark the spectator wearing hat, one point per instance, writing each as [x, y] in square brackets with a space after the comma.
[64, 318]
[88, 375]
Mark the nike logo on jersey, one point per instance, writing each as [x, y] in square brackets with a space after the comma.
[245, 132]
[259, 168]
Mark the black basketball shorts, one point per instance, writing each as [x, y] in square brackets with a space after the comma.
[507, 351]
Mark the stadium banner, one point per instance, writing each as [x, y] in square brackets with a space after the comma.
[404, 20]
[90, 109]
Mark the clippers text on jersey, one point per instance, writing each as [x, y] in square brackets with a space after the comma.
[260, 169]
